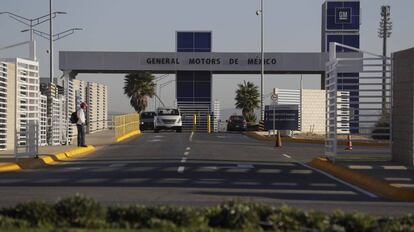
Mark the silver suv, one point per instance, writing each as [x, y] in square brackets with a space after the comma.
[167, 119]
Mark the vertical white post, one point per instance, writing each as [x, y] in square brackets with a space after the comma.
[262, 63]
[17, 106]
[301, 101]
[51, 41]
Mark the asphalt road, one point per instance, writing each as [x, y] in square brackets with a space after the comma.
[196, 170]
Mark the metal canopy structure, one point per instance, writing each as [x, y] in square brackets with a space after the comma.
[171, 62]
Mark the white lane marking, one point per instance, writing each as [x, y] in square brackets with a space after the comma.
[340, 181]
[323, 185]
[362, 167]
[287, 156]
[183, 160]
[180, 169]
[247, 166]
[221, 137]
[284, 184]
[186, 153]
[73, 168]
[297, 171]
[188, 148]
[400, 185]
[395, 167]
[397, 179]
[117, 165]
[191, 136]
[154, 140]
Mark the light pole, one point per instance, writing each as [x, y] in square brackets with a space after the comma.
[162, 86]
[261, 13]
[52, 39]
[31, 23]
[384, 32]
[50, 42]
[162, 77]
[57, 36]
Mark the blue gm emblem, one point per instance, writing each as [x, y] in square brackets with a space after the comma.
[342, 15]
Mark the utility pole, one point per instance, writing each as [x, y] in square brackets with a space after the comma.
[31, 23]
[51, 41]
[261, 14]
[384, 33]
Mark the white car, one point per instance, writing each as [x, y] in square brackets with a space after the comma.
[167, 119]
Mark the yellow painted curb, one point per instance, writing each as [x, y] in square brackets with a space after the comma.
[378, 186]
[79, 151]
[45, 160]
[127, 136]
[314, 141]
[9, 167]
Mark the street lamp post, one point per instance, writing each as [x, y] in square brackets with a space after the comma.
[52, 39]
[384, 33]
[261, 13]
[31, 23]
[162, 86]
[57, 36]
[156, 83]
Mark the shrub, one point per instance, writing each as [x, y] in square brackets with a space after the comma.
[156, 223]
[286, 219]
[250, 117]
[403, 224]
[234, 215]
[132, 217]
[10, 223]
[180, 216]
[80, 211]
[37, 214]
[354, 222]
[382, 127]
[147, 217]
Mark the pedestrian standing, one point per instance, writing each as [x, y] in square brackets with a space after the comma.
[81, 124]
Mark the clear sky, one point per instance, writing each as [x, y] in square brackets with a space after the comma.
[150, 25]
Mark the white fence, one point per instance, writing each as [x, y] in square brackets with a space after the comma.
[367, 79]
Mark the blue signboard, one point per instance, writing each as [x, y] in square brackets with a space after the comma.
[193, 86]
[193, 41]
[286, 117]
[347, 39]
[343, 15]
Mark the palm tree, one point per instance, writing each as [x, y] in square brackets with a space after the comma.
[138, 87]
[247, 99]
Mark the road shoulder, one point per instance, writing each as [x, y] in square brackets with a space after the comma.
[368, 182]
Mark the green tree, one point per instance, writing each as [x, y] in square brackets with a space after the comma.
[247, 99]
[139, 86]
[382, 127]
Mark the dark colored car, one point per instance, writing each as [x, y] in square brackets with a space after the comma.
[236, 123]
[147, 121]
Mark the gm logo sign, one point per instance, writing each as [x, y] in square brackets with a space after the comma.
[342, 15]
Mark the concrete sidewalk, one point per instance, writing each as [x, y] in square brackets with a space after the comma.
[97, 139]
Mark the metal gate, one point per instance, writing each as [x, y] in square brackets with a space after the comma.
[358, 102]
